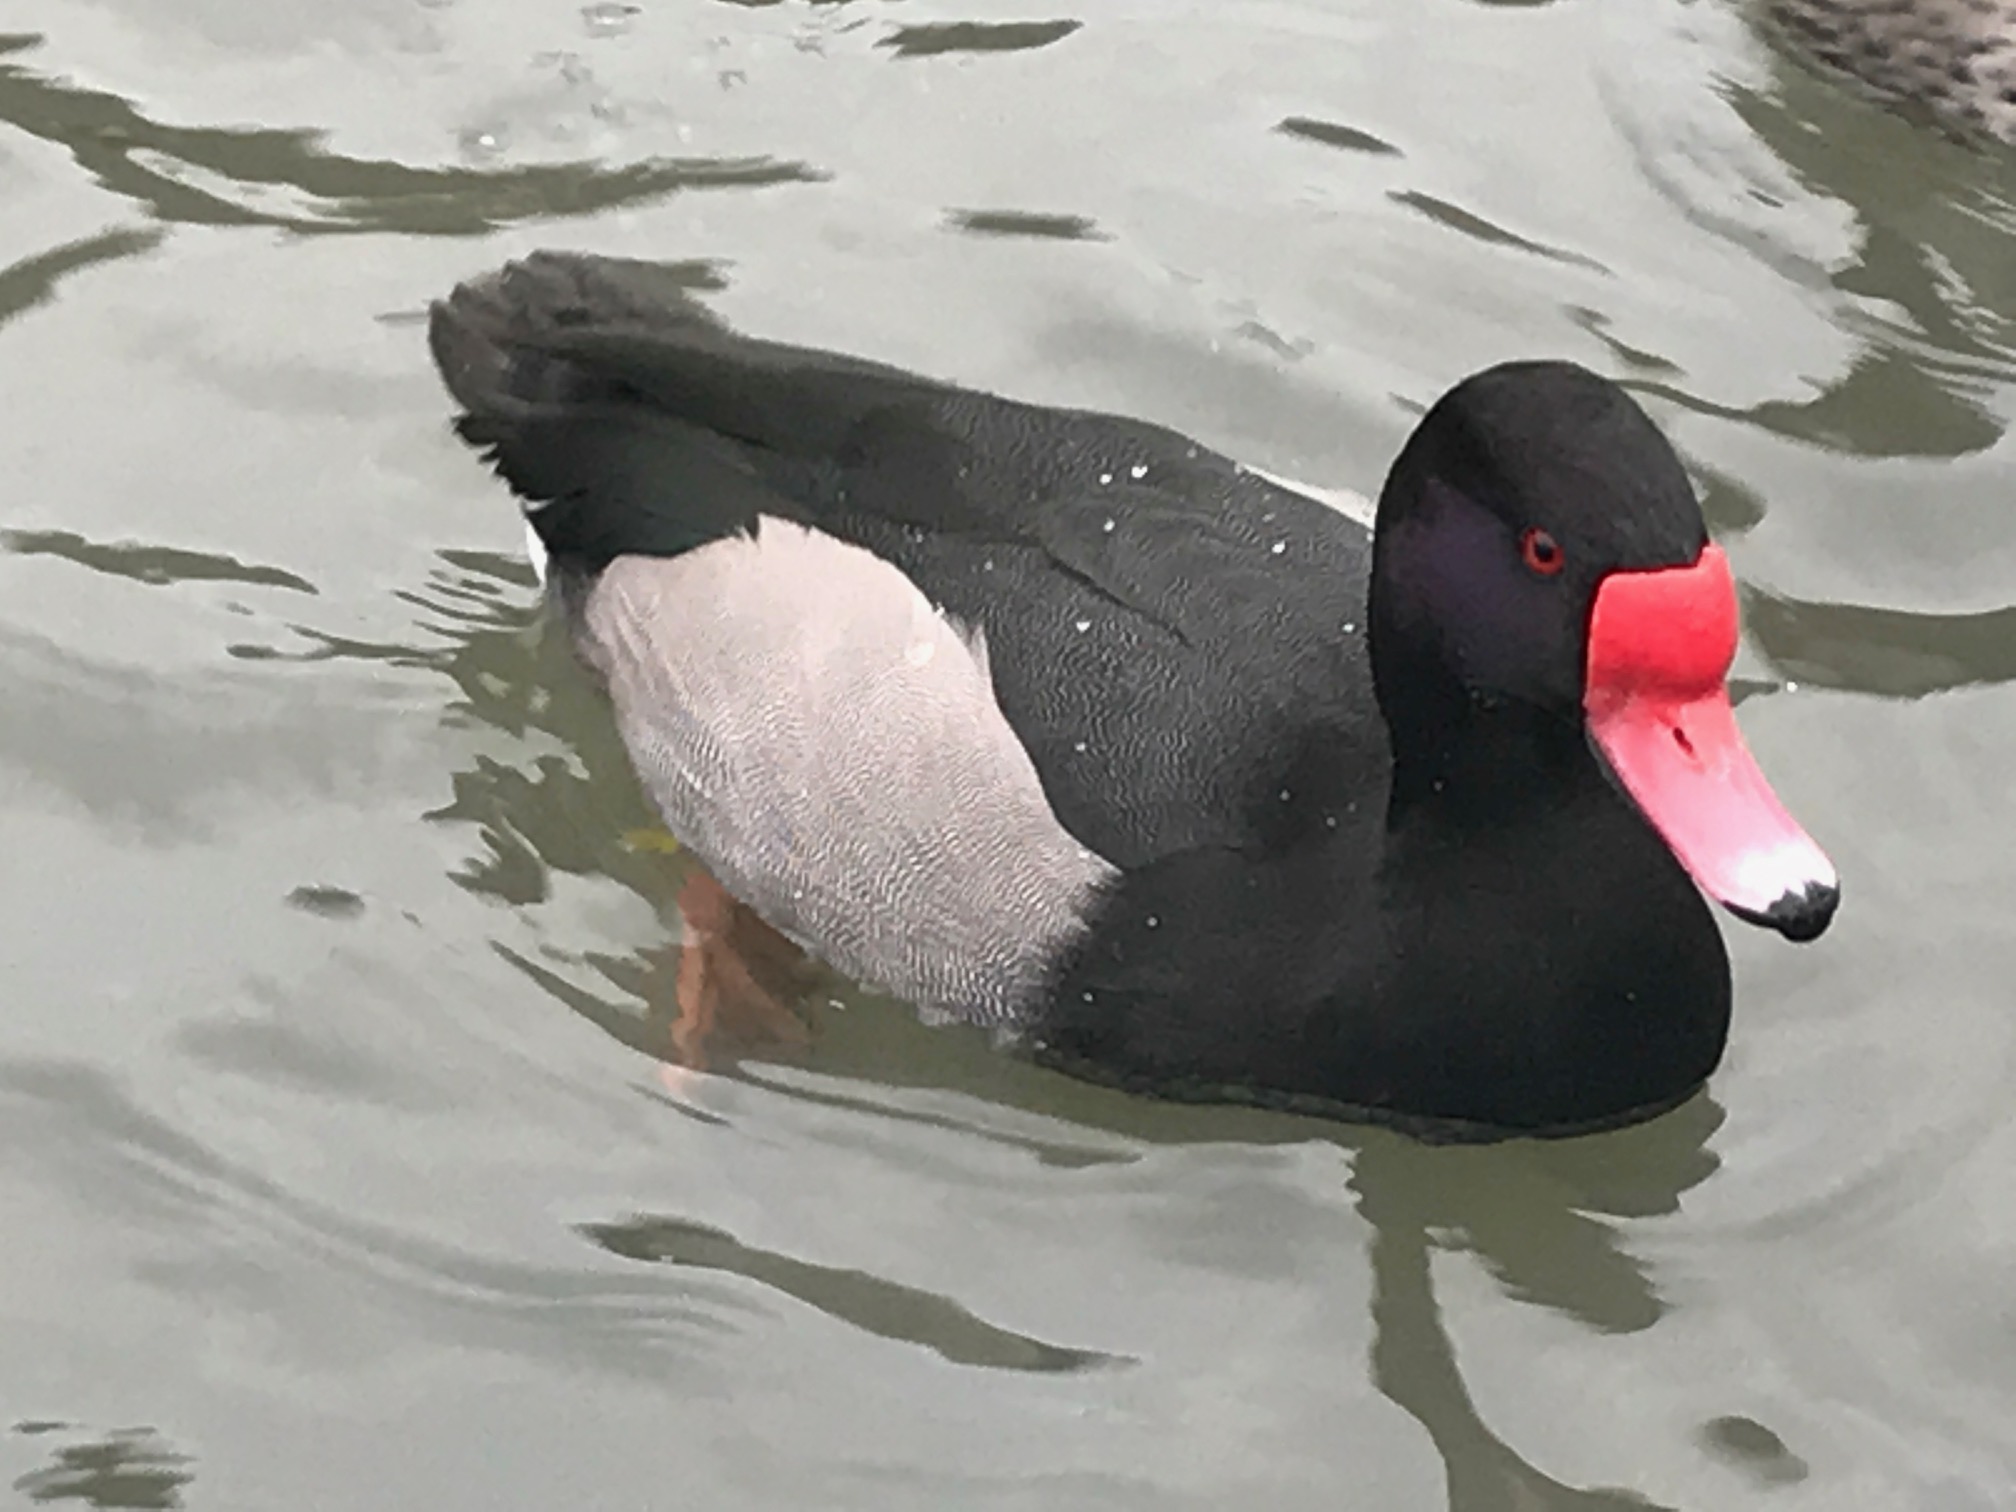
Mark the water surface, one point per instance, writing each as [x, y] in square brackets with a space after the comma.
[337, 1165]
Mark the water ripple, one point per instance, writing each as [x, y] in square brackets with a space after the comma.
[1894, 653]
[282, 177]
[203, 1207]
[32, 281]
[931, 39]
[142, 562]
[126, 1468]
[884, 1308]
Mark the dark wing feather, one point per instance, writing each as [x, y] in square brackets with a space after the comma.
[1177, 641]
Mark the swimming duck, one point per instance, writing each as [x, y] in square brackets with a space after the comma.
[1955, 59]
[1065, 724]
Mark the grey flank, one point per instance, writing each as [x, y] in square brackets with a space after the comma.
[829, 745]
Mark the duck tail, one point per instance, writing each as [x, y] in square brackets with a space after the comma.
[534, 355]
[500, 340]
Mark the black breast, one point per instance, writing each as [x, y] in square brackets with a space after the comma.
[1550, 969]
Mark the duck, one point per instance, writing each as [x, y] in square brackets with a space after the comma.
[1168, 771]
[1952, 60]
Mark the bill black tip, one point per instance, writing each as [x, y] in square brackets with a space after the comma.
[1800, 915]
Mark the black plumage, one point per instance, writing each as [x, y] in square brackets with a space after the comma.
[1368, 859]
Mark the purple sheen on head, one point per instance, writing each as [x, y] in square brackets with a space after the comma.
[1446, 572]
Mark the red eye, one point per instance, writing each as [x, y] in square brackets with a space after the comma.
[1541, 552]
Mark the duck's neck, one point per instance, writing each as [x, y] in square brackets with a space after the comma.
[1461, 755]
[1476, 761]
